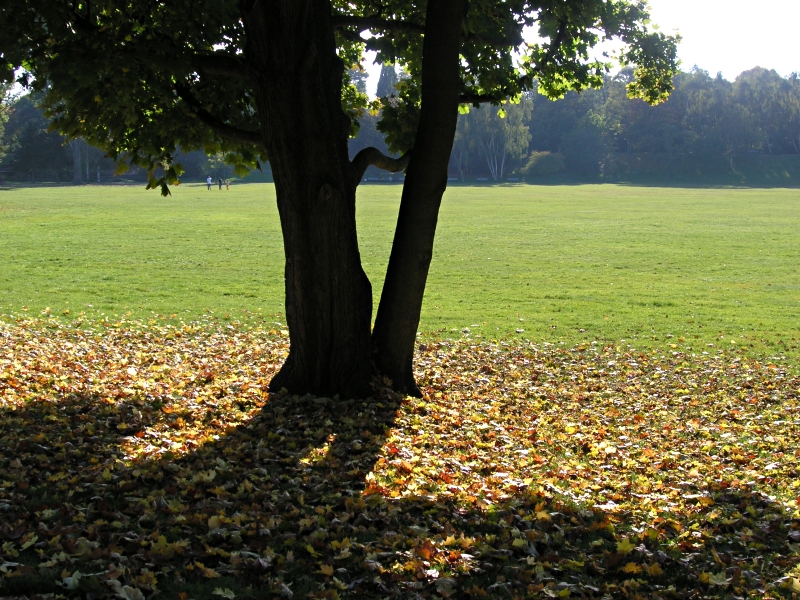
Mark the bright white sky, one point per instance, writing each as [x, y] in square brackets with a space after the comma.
[728, 36]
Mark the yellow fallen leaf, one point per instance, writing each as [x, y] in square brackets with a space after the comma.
[326, 570]
[625, 546]
[146, 579]
[345, 543]
[632, 567]
[205, 571]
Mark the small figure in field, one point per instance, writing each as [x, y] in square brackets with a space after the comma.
[219, 181]
[208, 181]
[227, 184]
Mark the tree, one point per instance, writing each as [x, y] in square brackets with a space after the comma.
[552, 121]
[33, 149]
[76, 147]
[459, 155]
[794, 125]
[636, 126]
[386, 82]
[768, 106]
[268, 79]
[584, 150]
[358, 77]
[498, 135]
[5, 104]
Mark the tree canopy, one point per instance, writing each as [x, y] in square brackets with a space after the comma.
[140, 80]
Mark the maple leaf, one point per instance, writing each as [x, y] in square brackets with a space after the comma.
[632, 567]
[214, 522]
[145, 580]
[71, 581]
[205, 571]
[625, 546]
[718, 578]
[426, 550]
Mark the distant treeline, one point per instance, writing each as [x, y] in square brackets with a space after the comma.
[29, 152]
[709, 131]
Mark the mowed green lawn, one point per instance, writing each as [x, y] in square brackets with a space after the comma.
[651, 266]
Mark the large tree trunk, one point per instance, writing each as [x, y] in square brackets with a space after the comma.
[297, 77]
[426, 179]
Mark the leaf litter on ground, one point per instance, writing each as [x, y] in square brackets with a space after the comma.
[141, 460]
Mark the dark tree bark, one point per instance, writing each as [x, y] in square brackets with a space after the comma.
[297, 76]
[426, 179]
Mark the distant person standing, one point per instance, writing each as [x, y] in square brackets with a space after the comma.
[219, 181]
[208, 181]
[227, 184]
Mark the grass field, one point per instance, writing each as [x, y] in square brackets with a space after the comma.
[572, 264]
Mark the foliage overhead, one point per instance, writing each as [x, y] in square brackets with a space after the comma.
[136, 459]
[141, 79]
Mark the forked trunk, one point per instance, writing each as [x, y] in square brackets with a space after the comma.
[426, 179]
[297, 78]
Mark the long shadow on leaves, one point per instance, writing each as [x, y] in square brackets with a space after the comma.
[287, 504]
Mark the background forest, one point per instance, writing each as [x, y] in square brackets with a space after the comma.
[709, 131]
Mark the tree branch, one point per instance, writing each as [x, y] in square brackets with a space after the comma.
[362, 23]
[343, 22]
[551, 52]
[82, 25]
[525, 80]
[373, 156]
[222, 129]
[353, 36]
[220, 64]
[470, 98]
[490, 41]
